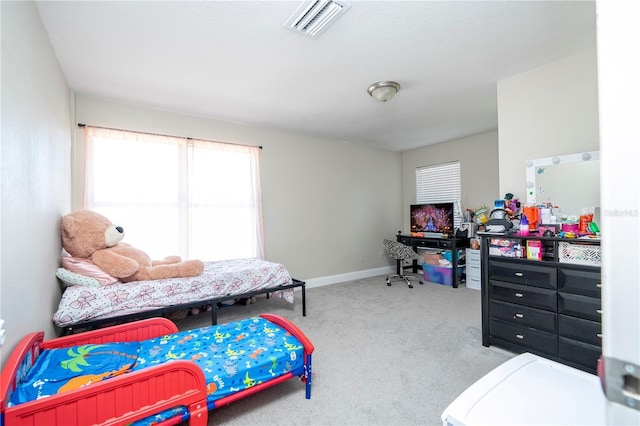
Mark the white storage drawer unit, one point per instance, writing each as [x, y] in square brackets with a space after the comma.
[473, 269]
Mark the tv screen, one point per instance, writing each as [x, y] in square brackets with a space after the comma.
[435, 217]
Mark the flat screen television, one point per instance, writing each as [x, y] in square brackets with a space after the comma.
[434, 217]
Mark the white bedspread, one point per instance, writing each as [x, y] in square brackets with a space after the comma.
[220, 278]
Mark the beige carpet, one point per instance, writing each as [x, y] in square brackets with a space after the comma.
[384, 355]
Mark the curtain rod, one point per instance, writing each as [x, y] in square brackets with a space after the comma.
[82, 125]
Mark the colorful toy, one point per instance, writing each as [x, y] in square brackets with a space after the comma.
[480, 216]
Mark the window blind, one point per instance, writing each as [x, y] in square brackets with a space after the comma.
[440, 183]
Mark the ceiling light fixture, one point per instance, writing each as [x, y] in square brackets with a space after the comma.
[383, 90]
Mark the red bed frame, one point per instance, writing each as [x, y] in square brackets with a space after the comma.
[128, 397]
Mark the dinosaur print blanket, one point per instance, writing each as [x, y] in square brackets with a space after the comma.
[233, 356]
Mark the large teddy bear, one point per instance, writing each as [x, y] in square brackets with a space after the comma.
[87, 234]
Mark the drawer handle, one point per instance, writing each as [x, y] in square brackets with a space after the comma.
[518, 315]
[518, 274]
[520, 336]
[519, 295]
[599, 311]
[599, 335]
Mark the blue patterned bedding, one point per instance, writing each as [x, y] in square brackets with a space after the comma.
[60, 370]
[233, 356]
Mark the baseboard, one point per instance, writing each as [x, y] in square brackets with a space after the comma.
[349, 276]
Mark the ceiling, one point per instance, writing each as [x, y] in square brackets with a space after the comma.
[236, 61]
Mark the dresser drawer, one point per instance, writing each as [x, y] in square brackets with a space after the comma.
[406, 241]
[586, 283]
[580, 329]
[473, 256]
[579, 353]
[579, 306]
[524, 316]
[537, 340]
[520, 273]
[524, 295]
[442, 243]
[472, 271]
[445, 244]
[474, 283]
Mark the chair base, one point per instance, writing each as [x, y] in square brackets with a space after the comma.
[405, 278]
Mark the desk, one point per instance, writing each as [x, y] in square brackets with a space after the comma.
[452, 244]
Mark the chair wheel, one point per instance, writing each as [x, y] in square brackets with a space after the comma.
[421, 282]
[388, 283]
[410, 285]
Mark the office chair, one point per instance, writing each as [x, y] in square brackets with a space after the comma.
[401, 253]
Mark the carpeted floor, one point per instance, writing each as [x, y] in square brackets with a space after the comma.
[384, 355]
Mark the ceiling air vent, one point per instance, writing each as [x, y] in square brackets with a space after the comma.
[313, 17]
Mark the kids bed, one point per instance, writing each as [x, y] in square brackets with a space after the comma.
[86, 306]
[146, 372]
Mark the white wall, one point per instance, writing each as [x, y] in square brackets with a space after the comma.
[35, 176]
[619, 93]
[327, 204]
[478, 156]
[547, 111]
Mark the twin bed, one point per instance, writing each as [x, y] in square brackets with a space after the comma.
[146, 372]
[85, 307]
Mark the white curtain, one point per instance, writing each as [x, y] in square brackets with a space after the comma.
[194, 198]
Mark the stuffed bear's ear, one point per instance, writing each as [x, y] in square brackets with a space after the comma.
[66, 226]
[70, 243]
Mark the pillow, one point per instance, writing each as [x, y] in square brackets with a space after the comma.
[71, 278]
[87, 268]
[65, 369]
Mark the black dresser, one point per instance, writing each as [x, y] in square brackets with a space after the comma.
[549, 305]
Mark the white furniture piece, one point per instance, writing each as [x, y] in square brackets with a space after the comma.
[473, 269]
[530, 390]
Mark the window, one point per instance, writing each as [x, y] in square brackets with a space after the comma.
[177, 196]
[440, 184]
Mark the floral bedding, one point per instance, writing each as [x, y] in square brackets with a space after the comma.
[219, 279]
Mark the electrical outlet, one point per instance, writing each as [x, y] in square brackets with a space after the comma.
[1, 332]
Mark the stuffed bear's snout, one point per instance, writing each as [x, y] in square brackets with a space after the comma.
[113, 235]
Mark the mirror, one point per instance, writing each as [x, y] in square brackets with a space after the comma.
[569, 181]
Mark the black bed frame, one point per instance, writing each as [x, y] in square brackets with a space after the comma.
[70, 329]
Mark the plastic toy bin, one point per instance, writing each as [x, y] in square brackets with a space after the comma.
[530, 390]
[439, 274]
[581, 254]
[506, 247]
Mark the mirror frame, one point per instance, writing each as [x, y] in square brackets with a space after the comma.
[532, 165]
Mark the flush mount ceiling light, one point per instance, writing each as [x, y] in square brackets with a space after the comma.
[314, 16]
[383, 90]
